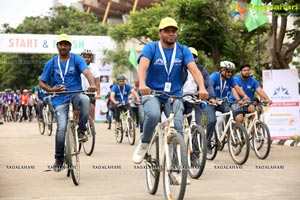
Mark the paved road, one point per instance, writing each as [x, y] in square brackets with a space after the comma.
[110, 174]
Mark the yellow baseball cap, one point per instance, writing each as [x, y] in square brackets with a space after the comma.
[64, 37]
[194, 51]
[166, 22]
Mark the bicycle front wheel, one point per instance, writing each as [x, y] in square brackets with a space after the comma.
[238, 144]
[89, 145]
[131, 131]
[261, 140]
[196, 152]
[152, 167]
[175, 168]
[49, 122]
[72, 153]
[119, 133]
[214, 147]
[41, 126]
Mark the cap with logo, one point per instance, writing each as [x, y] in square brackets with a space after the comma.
[64, 37]
[166, 22]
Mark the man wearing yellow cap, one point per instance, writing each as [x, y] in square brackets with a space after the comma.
[64, 72]
[161, 64]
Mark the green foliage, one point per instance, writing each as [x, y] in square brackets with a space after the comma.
[119, 58]
[22, 70]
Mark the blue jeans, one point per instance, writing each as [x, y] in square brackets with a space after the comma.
[152, 112]
[188, 107]
[210, 112]
[81, 102]
[141, 117]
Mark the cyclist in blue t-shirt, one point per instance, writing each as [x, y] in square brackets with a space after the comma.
[161, 66]
[250, 85]
[223, 83]
[64, 72]
[119, 95]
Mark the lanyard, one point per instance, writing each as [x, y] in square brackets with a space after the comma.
[222, 86]
[60, 71]
[121, 93]
[165, 61]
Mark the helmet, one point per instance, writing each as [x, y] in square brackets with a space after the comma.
[7, 90]
[227, 65]
[194, 51]
[87, 52]
[121, 77]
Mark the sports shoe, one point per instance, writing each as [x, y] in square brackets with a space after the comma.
[140, 152]
[81, 136]
[209, 151]
[175, 179]
[58, 164]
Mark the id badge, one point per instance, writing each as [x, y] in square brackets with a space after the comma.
[167, 87]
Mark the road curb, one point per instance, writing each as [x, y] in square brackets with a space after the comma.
[291, 143]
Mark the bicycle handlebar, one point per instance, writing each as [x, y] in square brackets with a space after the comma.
[65, 92]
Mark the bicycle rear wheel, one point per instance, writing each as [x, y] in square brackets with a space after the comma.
[214, 147]
[72, 153]
[131, 131]
[261, 140]
[175, 177]
[119, 133]
[238, 144]
[152, 167]
[89, 145]
[197, 152]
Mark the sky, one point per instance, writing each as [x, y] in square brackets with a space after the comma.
[14, 12]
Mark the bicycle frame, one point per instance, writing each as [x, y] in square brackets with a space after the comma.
[251, 119]
[124, 115]
[227, 125]
[163, 130]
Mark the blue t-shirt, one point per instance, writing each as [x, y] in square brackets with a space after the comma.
[222, 88]
[249, 86]
[121, 93]
[40, 92]
[156, 75]
[72, 79]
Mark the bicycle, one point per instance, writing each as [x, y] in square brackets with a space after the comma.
[127, 125]
[166, 153]
[259, 134]
[233, 133]
[47, 120]
[8, 117]
[71, 143]
[195, 139]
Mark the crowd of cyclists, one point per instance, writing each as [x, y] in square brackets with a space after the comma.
[17, 105]
[166, 76]
[219, 85]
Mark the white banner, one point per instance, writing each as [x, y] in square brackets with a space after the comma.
[46, 44]
[282, 117]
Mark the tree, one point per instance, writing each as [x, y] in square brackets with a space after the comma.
[204, 24]
[282, 52]
[20, 71]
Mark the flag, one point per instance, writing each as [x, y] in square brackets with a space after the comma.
[255, 16]
[132, 57]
